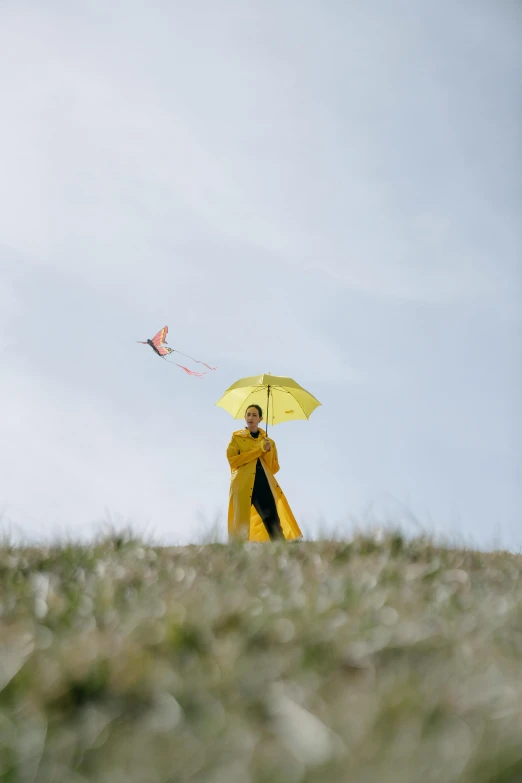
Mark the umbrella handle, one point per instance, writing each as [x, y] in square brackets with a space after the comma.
[267, 407]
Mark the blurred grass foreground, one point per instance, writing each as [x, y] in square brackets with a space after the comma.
[369, 661]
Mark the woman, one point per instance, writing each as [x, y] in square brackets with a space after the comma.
[258, 509]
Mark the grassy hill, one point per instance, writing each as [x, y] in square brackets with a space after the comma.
[364, 662]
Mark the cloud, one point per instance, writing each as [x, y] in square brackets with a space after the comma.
[106, 145]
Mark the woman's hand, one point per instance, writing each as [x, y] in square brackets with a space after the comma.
[266, 446]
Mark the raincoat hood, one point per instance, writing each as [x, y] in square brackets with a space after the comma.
[245, 433]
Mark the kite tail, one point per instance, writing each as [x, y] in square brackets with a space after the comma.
[195, 360]
[185, 369]
[191, 372]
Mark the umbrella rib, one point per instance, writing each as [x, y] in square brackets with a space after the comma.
[280, 388]
[304, 412]
[238, 409]
[243, 401]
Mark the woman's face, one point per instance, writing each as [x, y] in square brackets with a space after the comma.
[252, 419]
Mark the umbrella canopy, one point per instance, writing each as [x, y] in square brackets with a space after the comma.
[282, 399]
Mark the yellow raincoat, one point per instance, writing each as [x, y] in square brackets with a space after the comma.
[244, 522]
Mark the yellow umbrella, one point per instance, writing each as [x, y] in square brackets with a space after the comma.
[282, 398]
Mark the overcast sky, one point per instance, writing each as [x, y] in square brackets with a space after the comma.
[324, 189]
